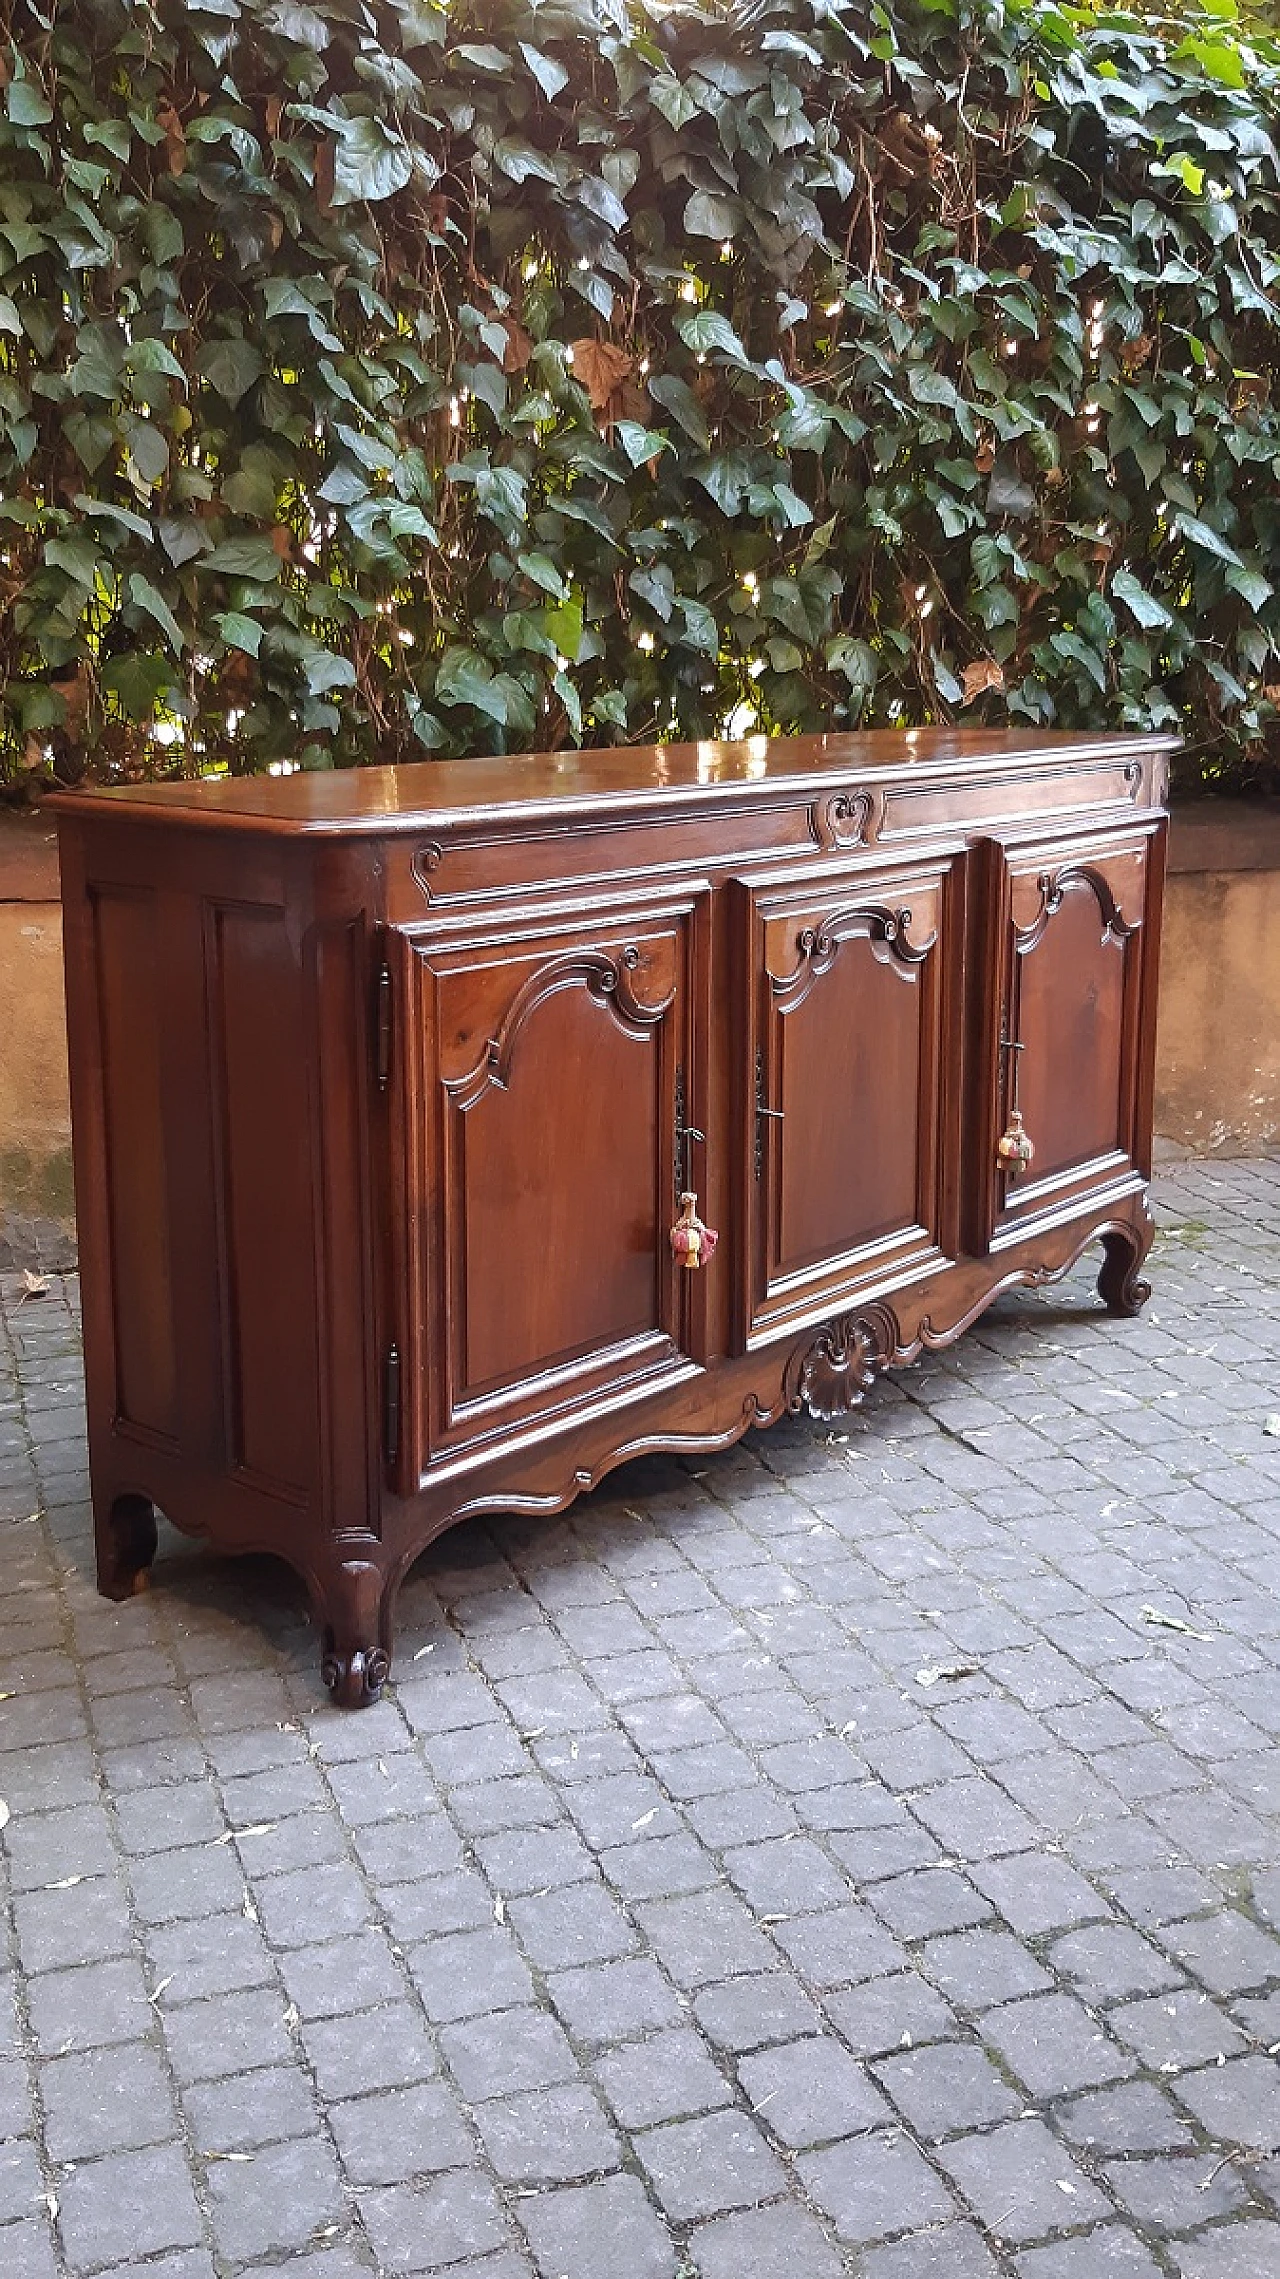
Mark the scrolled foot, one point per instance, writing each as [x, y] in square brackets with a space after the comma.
[357, 1678]
[1121, 1285]
[126, 1545]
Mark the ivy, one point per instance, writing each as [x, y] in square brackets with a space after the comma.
[381, 378]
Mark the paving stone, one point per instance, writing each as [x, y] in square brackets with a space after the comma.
[88, 1923]
[1136, 2117]
[946, 2088]
[1054, 2045]
[1109, 1960]
[927, 1901]
[275, 2201]
[1183, 2028]
[812, 2091]
[707, 2166]
[892, 2013]
[946, 2251]
[547, 2136]
[874, 2186]
[380, 2050]
[511, 2050]
[1035, 1893]
[1178, 2193]
[431, 2227]
[594, 2228]
[28, 2250]
[465, 1976]
[1232, 2251]
[354, 1973]
[130, 2205]
[610, 2002]
[748, 2013]
[761, 2243]
[704, 1937]
[666, 2077]
[395, 2135]
[580, 1924]
[1107, 2253]
[975, 1968]
[1238, 2102]
[1225, 1951]
[1021, 2182]
[87, 2008]
[839, 1947]
[106, 2100]
[20, 2179]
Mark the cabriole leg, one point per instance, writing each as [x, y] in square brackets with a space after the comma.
[1120, 1284]
[355, 1622]
[125, 1541]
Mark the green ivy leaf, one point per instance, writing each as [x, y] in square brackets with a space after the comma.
[239, 632]
[708, 330]
[551, 76]
[148, 598]
[369, 164]
[1145, 608]
[231, 366]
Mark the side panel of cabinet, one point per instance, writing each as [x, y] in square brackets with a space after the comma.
[547, 1065]
[852, 1087]
[1070, 1024]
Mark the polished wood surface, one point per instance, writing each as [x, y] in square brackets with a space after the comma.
[386, 1087]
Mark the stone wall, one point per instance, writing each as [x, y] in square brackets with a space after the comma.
[1218, 1077]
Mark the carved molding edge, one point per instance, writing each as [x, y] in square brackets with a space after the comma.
[817, 948]
[607, 979]
[1054, 885]
[845, 819]
[834, 1372]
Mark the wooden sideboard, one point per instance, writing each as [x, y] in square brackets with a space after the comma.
[387, 1086]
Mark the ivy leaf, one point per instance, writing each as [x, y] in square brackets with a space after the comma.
[10, 321]
[231, 366]
[542, 571]
[146, 596]
[1208, 540]
[325, 671]
[1254, 590]
[239, 632]
[675, 103]
[676, 396]
[1149, 612]
[369, 164]
[708, 330]
[253, 558]
[708, 216]
[551, 76]
[26, 104]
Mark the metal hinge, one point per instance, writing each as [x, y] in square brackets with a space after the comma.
[391, 1404]
[763, 1114]
[384, 1026]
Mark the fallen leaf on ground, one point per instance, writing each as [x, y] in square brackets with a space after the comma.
[1161, 1621]
[950, 1670]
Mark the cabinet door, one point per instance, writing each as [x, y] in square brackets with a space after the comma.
[851, 1087]
[544, 1068]
[1074, 980]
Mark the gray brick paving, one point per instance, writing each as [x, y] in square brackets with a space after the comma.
[669, 1918]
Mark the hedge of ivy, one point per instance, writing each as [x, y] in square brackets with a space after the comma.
[380, 378]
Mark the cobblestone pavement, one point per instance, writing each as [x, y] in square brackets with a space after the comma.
[856, 1854]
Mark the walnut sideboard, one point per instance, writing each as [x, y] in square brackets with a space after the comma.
[388, 1087]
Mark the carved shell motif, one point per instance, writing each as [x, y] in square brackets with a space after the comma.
[836, 1371]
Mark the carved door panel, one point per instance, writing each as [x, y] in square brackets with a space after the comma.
[545, 1068]
[1072, 957]
[852, 1092]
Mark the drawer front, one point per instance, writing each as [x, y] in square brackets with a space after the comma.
[535, 1118]
[851, 1087]
[1066, 1045]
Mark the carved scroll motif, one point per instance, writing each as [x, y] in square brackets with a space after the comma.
[832, 1375]
[426, 859]
[817, 948]
[1053, 885]
[607, 979]
[843, 819]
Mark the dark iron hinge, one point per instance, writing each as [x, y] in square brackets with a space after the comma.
[384, 1027]
[686, 1134]
[391, 1405]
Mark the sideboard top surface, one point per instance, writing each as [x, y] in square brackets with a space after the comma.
[436, 793]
